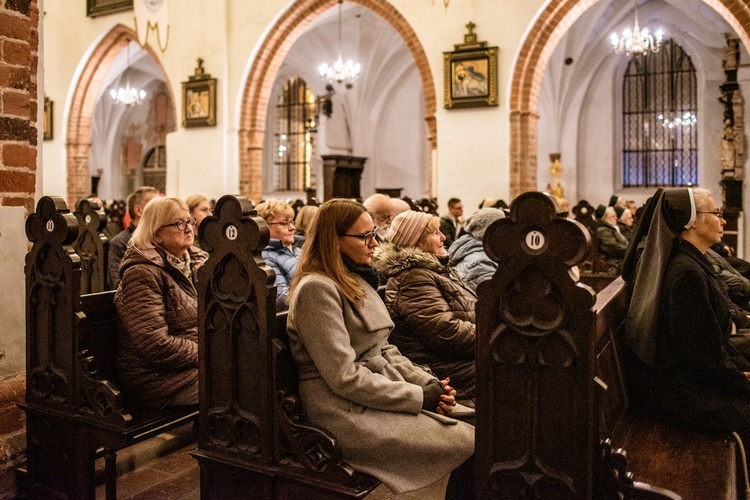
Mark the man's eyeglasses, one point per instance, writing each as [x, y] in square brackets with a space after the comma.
[182, 224]
[718, 213]
[366, 238]
[287, 223]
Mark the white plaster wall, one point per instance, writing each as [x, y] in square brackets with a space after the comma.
[12, 293]
[227, 35]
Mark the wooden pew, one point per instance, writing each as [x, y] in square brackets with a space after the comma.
[74, 409]
[91, 245]
[538, 400]
[694, 465]
[595, 271]
[253, 437]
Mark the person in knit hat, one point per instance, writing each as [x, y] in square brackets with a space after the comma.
[611, 244]
[467, 253]
[433, 311]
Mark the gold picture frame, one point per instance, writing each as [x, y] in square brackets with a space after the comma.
[48, 119]
[199, 99]
[470, 73]
[96, 8]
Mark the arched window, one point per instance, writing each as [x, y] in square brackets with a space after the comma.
[659, 115]
[293, 142]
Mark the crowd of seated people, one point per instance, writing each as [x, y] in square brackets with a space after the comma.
[405, 364]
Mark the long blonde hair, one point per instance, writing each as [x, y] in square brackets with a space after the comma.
[321, 253]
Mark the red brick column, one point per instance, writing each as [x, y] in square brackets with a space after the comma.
[19, 43]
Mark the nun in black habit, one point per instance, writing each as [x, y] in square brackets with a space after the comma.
[680, 364]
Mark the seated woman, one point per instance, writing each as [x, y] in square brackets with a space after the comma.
[433, 310]
[200, 208]
[467, 253]
[283, 251]
[158, 308]
[304, 218]
[682, 367]
[390, 416]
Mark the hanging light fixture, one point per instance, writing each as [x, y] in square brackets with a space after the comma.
[127, 95]
[340, 72]
[638, 42]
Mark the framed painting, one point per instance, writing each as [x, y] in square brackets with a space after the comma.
[199, 99]
[470, 73]
[96, 8]
[48, 119]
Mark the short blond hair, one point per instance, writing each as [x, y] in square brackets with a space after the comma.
[269, 207]
[157, 213]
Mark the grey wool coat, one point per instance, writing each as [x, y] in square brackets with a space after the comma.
[359, 387]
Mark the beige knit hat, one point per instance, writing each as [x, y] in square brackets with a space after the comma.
[407, 227]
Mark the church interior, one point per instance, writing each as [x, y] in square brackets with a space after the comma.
[472, 99]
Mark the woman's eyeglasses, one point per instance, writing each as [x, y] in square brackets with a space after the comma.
[717, 213]
[287, 223]
[182, 224]
[366, 238]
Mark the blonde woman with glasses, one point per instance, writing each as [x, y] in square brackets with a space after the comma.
[158, 308]
[283, 251]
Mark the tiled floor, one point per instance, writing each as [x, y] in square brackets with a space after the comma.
[163, 469]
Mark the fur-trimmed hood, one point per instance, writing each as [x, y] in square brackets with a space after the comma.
[392, 260]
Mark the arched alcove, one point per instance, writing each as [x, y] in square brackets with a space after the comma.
[534, 54]
[83, 105]
[274, 48]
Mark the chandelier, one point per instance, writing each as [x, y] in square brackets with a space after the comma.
[340, 72]
[638, 42]
[127, 95]
[686, 120]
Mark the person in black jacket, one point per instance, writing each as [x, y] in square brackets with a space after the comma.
[682, 366]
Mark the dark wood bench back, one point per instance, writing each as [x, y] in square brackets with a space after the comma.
[549, 385]
[92, 246]
[53, 284]
[536, 429]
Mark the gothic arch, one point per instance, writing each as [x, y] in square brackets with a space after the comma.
[275, 47]
[556, 18]
[78, 138]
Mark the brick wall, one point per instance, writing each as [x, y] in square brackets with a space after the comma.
[19, 43]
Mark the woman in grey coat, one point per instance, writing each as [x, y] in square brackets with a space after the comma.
[391, 418]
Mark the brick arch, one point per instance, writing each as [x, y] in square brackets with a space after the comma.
[537, 48]
[78, 140]
[274, 48]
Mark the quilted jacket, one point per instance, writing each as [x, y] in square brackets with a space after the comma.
[470, 261]
[158, 338]
[284, 263]
[434, 313]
